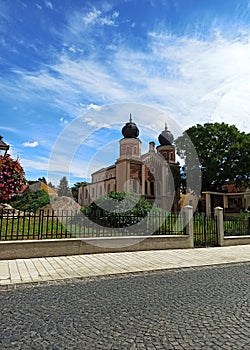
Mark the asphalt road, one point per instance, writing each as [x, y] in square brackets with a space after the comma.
[193, 308]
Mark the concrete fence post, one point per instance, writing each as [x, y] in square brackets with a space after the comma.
[218, 212]
[188, 223]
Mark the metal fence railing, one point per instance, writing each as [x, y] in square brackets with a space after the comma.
[204, 231]
[236, 226]
[17, 225]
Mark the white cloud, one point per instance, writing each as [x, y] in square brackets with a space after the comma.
[31, 144]
[96, 124]
[191, 78]
[74, 80]
[194, 81]
[91, 123]
[110, 20]
[92, 16]
[14, 130]
[94, 107]
[97, 17]
[38, 163]
[72, 49]
[64, 121]
[49, 5]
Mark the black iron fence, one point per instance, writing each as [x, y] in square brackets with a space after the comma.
[236, 226]
[205, 231]
[17, 225]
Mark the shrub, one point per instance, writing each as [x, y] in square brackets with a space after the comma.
[115, 209]
[31, 201]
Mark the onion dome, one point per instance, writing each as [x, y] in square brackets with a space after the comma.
[130, 129]
[166, 138]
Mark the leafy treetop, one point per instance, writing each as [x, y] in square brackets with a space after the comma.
[221, 151]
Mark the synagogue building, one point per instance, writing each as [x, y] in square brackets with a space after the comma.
[151, 175]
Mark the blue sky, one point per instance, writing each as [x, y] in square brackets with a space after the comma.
[71, 71]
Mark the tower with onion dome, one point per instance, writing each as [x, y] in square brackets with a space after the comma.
[129, 165]
[166, 148]
[130, 145]
[171, 177]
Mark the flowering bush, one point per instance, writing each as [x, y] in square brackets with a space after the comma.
[11, 177]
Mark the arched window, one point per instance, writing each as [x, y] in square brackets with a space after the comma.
[100, 190]
[134, 184]
[152, 188]
[146, 187]
[108, 187]
[129, 151]
[93, 192]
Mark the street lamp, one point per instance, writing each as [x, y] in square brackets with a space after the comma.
[3, 147]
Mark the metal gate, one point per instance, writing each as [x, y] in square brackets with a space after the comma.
[205, 231]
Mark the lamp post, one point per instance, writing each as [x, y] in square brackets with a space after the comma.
[3, 147]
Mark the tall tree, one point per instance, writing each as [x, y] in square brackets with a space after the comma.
[221, 151]
[11, 177]
[63, 189]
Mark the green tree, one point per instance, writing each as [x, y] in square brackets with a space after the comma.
[222, 153]
[11, 177]
[177, 178]
[50, 184]
[63, 189]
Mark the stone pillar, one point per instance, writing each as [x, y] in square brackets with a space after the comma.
[218, 213]
[208, 204]
[225, 201]
[188, 223]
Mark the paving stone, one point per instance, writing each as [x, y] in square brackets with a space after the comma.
[192, 309]
[14, 272]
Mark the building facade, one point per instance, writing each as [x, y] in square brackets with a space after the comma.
[232, 199]
[150, 175]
